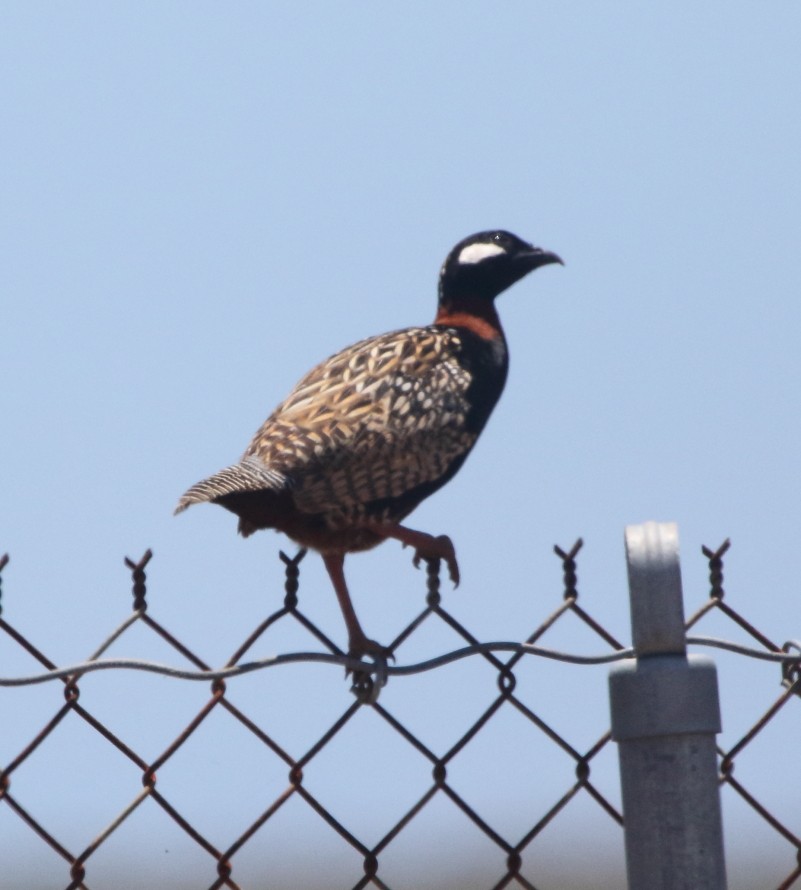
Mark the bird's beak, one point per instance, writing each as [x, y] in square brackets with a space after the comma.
[537, 257]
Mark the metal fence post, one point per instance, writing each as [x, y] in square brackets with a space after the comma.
[665, 714]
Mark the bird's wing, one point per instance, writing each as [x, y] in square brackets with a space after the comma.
[373, 422]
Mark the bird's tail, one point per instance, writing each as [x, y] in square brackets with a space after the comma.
[248, 475]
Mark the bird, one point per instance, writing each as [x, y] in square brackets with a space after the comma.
[372, 431]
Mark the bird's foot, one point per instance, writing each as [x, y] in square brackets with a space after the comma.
[361, 646]
[368, 682]
[435, 548]
[364, 646]
[428, 547]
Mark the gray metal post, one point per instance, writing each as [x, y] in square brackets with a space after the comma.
[665, 714]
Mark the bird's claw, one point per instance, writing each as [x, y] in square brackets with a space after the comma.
[439, 547]
[370, 680]
[369, 648]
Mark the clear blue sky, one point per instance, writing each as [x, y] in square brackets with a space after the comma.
[201, 200]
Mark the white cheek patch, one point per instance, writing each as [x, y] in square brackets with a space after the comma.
[476, 253]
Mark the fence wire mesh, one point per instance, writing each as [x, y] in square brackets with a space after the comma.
[791, 683]
[518, 868]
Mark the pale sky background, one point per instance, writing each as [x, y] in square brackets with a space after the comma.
[201, 201]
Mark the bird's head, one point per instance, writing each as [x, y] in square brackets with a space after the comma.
[485, 264]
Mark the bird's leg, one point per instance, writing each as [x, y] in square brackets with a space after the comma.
[358, 642]
[425, 546]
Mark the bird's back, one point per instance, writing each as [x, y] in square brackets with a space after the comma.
[370, 432]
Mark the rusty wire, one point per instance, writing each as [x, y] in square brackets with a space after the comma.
[369, 678]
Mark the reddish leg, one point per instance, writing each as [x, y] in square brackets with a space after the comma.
[425, 546]
[358, 643]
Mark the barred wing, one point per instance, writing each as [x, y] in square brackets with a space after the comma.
[373, 422]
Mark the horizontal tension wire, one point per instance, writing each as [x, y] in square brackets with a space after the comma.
[379, 665]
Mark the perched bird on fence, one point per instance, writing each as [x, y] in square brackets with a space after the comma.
[369, 433]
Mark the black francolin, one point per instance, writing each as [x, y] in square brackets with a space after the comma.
[368, 434]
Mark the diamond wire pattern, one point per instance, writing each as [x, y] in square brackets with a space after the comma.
[78, 863]
[790, 680]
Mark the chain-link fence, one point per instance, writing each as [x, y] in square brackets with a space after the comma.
[234, 850]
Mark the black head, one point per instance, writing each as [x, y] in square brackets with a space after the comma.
[485, 264]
